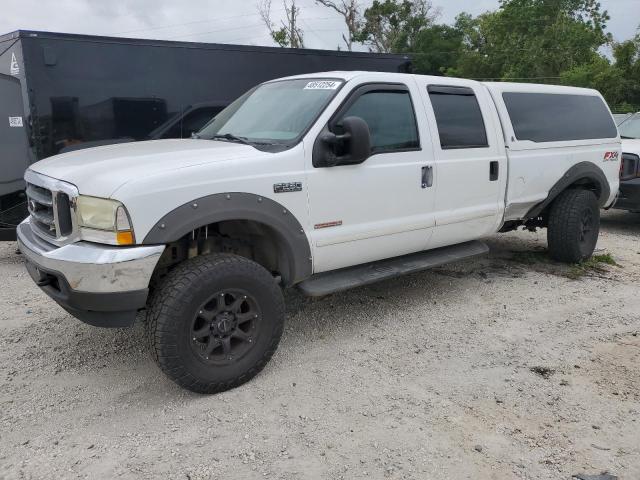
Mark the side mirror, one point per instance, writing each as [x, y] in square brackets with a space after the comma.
[350, 148]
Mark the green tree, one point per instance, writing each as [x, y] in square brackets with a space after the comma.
[350, 11]
[476, 53]
[532, 39]
[618, 81]
[393, 25]
[289, 34]
[436, 49]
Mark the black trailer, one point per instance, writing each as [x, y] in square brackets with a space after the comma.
[61, 92]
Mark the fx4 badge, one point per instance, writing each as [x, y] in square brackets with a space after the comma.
[610, 156]
[287, 187]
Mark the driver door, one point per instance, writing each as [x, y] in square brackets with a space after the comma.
[382, 207]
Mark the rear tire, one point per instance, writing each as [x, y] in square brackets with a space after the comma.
[573, 226]
[214, 322]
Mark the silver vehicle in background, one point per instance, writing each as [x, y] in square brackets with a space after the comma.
[621, 117]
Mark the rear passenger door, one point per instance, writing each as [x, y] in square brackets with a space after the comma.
[470, 161]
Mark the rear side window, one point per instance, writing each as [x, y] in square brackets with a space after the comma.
[547, 117]
[390, 117]
[458, 115]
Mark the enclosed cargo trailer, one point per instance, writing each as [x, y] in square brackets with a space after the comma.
[61, 92]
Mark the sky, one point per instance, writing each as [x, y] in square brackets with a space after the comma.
[228, 21]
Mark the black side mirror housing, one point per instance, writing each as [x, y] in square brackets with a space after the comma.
[350, 148]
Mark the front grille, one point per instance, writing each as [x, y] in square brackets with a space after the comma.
[41, 208]
[63, 211]
[51, 203]
[50, 211]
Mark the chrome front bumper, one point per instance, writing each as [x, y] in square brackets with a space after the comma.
[89, 267]
[99, 284]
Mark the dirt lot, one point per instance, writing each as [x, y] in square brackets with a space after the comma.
[499, 368]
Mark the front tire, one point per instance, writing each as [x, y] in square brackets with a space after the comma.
[214, 322]
[573, 226]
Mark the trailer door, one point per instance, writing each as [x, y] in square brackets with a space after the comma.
[14, 153]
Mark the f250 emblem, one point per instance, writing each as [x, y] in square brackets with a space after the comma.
[610, 156]
[287, 187]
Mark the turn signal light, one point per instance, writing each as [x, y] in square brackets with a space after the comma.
[125, 237]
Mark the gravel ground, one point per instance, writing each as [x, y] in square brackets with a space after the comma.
[497, 368]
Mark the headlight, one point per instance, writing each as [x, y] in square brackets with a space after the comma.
[104, 221]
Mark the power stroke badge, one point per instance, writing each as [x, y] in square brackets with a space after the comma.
[287, 187]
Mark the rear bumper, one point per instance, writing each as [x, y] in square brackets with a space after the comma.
[629, 196]
[98, 284]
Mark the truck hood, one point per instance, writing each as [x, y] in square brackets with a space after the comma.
[101, 171]
[630, 146]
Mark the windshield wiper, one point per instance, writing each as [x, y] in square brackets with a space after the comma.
[235, 138]
[232, 138]
[628, 138]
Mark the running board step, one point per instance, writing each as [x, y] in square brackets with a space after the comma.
[343, 279]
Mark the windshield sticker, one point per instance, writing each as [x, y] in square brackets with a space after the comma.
[322, 85]
[15, 68]
[15, 121]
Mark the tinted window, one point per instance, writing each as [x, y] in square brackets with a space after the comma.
[546, 117]
[459, 119]
[390, 117]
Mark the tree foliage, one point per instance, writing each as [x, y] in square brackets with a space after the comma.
[436, 49]
[531, 38]
[546, 41]
[289, 33]
[350, 10]
[618, 81]
[393, 26]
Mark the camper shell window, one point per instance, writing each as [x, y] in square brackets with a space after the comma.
[553, 117]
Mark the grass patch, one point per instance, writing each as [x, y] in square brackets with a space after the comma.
[595, 264]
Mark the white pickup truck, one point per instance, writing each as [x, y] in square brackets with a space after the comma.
[324, 181]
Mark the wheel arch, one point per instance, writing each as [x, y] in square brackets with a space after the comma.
[584, 175]
[285, 230]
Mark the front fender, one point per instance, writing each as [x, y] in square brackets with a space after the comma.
[239, 206]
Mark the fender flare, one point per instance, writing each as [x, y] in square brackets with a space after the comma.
[290, 235]
[580, 171]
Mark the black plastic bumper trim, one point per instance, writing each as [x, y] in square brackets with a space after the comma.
[109, 310]
[629, 196]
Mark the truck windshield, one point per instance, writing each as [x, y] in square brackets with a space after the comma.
[275, 113]
[630, 128]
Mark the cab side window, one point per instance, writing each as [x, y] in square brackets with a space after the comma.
[458, 116]
[390, 117]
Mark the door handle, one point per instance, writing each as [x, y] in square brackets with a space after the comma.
[427, 176]
[494, 171]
